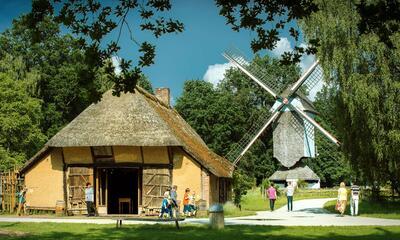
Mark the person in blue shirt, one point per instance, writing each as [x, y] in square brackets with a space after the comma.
[89, 198]
[166, 206]
[22, 201]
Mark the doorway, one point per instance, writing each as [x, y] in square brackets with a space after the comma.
[122, 190]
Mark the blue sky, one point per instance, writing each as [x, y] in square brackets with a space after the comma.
[193, 54]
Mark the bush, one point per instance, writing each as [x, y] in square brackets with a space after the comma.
[301, 184]
[241, 183]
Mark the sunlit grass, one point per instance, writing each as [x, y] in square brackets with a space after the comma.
[193, 232]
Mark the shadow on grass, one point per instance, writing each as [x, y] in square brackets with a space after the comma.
[90, 231]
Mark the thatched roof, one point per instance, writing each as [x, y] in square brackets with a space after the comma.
[301, 172]
[136, 119]
[127, 120]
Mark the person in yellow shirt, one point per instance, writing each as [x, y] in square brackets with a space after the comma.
[342, 198]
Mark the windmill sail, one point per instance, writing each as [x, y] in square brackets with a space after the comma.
[254, 71]
[309, 78]
[313, 79]
[250, 137]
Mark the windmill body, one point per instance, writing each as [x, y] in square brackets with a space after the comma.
[293, 138]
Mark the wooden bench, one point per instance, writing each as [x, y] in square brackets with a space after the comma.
[151, 219]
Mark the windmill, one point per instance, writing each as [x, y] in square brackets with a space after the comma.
[291, 118]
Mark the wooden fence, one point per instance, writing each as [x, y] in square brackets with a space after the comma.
[10, 185]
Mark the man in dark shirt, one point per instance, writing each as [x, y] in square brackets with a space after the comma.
[355, 196]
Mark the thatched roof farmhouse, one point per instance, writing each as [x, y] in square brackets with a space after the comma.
[129, 147]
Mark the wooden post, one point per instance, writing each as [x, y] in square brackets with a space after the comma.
[217, 216]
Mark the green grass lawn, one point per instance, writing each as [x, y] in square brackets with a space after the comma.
[253, 201]
[386, 209]
[162, 232]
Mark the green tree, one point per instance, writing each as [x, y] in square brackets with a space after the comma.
[20, 114]
[145, 83]
[330, 164]
[66, 84]
[361, 62]
[241, 183]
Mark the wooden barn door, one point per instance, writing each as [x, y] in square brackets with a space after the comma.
[155, 183]
[77, 179]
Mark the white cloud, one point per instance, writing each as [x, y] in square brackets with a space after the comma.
[283, 45]
[306, 60]
[215, 73]
[116, 63]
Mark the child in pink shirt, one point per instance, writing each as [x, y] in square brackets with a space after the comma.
[271, 193]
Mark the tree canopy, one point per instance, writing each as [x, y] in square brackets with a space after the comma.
[20, 113]
[92, 21]
[361, 61]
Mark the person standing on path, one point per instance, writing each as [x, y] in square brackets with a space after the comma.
[354, 197]
[342, 198]
[89, 198]
[271, 193]
[289, 195]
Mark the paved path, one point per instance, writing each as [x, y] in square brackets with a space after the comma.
[305, 213]
[309, 213]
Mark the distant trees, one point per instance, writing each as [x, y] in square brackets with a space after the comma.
[20, 113]
[44, 85]
[65, 83]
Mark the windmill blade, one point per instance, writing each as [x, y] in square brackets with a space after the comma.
[250, 137]
[315, 124]
[304, 77]
[309, 79]
[253, 70]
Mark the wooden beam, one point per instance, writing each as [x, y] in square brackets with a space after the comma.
[64, 182]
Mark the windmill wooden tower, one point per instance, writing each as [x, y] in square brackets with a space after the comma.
[291, 118]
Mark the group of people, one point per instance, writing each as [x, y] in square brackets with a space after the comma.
[272, 196]
[341, 199]
[170, 204]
